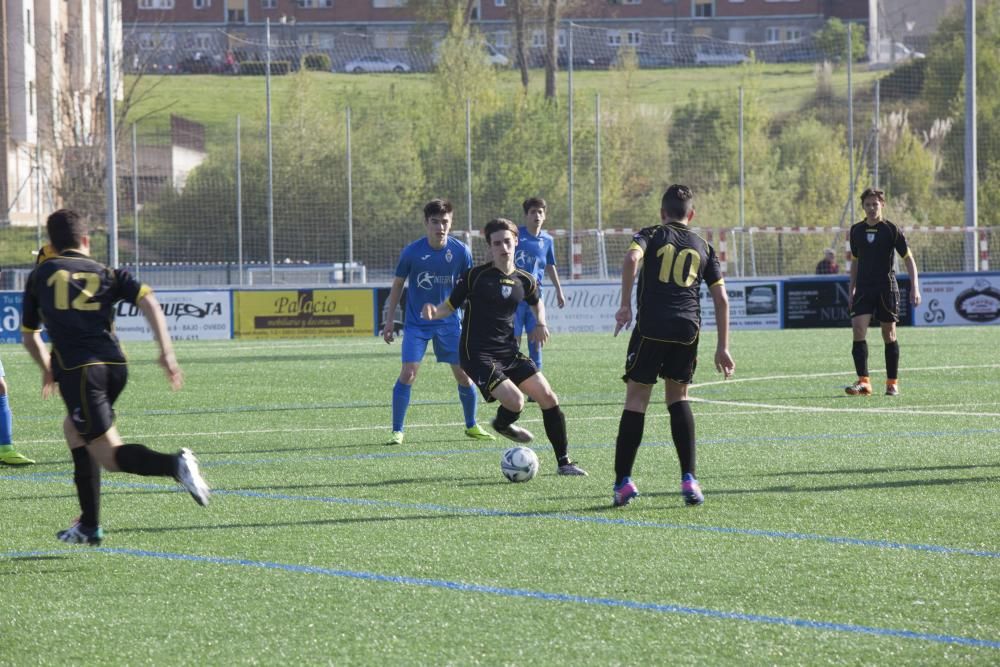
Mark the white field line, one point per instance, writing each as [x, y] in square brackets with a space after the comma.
[751, 408]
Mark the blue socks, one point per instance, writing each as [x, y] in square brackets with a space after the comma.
[6, 422]
[535, 352]
[469, 397]
[400, 402]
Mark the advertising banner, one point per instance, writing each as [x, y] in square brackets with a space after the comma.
[814, 303]
[959, 299]
[591, 307]
[304, 313]
[10, 317]
[190, 315]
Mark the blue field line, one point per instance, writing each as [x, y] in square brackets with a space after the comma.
[823, 626]
[633, 523]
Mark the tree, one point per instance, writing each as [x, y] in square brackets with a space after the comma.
[832, 39]
[518, 11]
[456, 14]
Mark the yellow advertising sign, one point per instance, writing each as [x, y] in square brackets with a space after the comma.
[303, 313]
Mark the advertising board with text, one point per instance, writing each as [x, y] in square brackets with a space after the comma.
[815, 303]
[202, 315]
[304, 313]
[949, 300]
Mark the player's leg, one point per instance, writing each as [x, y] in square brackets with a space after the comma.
[679, 363]
[8, 455]
[413, 348]
[86, 529]
[446, 342]
[537, 387]
[642, 364]
[511, 400]
[630, 429]
[530, 322]
[888, 315]
[860, 317]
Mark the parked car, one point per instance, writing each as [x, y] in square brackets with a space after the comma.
[719, 55]
[375, 63]
[895, 52]
[647, 60]
[490, 55]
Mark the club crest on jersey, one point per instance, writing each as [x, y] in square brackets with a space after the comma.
[448, 255]
[870, 236]
[505, 291]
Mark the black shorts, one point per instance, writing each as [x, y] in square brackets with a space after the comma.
[648, 359]
[89, 393]
[487, 372]
[881, 304]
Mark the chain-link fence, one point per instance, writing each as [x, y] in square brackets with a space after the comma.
[335, 189]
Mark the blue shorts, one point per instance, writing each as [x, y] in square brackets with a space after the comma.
[524, 319]
[445, 339]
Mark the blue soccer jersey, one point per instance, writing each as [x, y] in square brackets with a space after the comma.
[534, 253]
[430, 274]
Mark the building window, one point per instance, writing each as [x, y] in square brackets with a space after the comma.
[316, 40]
[501, 39]
[793, 34]
[614, 37]
[668, 36]
[235, 16]
[314, 4]
[202, 41]
[703, 8]
[737, 34]
[500, 3]
[633, 38]
[561, 38]
[268, 4]
[631, 2]
[156, 4]
[384, 4]
[537, 39]
[201, 4]
[772, 35]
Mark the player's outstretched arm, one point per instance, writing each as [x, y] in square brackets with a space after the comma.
[723, 360]
[391, 303]
[35, 346]
[911, 269]
[623, 318]
[151, 309]
[438, 312]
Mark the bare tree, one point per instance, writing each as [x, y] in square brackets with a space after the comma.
[551, 47]
[456, 14]
[518, 13]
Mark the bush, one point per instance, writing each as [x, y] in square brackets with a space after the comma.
[317, 62]
[905, 82]
[259, 67]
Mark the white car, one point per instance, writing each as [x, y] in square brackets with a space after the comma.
[711, 55]
[375, 64]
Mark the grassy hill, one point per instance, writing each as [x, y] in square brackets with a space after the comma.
[215, 100]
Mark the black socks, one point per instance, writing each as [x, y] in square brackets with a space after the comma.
[87, 477]
[630, 430]
[140, 460]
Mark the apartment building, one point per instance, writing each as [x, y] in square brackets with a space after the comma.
[51, 69]
[162, 33]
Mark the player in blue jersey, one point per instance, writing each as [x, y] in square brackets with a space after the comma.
[8, 455]
[536, 255]
[430, 267]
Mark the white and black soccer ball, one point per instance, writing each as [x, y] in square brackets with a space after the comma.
[519, 464]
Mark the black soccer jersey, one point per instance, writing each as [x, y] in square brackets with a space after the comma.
[872, 246]
[489, 298]
[75, 297]
[675, 263]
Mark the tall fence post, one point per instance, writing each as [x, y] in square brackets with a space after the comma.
[112, 151]
[270, 154]
[850, 123]
[38, 195]
[135, 200]
[876, 130]
[971, 157]
[742, 170]
[239, 201]
[350, 195]
[569, 167]
[468, 162]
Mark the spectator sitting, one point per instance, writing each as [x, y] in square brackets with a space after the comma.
[827, 265]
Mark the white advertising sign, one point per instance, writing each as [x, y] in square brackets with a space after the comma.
[189, 315]
[591, 307]
[959, 299]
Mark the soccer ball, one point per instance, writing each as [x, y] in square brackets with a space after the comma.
[519, 464]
